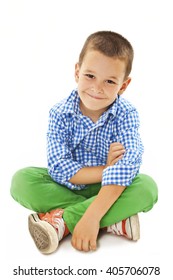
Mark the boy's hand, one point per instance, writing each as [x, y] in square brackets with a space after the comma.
[116, 152]
[85, 234]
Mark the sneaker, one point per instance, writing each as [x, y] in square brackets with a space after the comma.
[129, 228]
[47, 230]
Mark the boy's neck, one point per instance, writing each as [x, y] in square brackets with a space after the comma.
[93, 115]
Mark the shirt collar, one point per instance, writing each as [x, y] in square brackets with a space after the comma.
[111, 112]
[72, 104]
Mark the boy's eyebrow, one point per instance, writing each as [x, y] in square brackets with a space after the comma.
[114, 78]
[88, 70]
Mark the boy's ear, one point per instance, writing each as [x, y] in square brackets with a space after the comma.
[124, 85]
[76, 72]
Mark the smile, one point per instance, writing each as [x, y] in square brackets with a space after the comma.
[95, 96]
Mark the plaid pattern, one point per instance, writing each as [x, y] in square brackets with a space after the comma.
[74, 141]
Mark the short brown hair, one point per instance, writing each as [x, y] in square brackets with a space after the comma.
[110, 44]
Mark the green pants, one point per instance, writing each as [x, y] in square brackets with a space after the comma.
[33, 188]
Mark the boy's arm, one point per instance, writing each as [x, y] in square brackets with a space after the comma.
[126, 169]
[88, 175]
[91, 175]
[86, 231]
[115, 178]
[61, 166]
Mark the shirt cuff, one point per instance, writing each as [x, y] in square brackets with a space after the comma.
[62, 172]
[121, 175]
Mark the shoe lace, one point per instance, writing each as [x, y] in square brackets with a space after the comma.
[56, 220]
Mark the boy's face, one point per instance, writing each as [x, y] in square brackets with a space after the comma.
[100, 78]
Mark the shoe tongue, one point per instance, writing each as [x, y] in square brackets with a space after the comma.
[41, 216]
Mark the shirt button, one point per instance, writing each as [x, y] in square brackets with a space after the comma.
[88, 149]
[89, 162]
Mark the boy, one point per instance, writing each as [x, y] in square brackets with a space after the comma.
[94, 155]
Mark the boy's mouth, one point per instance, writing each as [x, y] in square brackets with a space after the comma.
[95, 96]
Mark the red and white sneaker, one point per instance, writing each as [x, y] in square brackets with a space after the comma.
[47, 229]
[129, 228]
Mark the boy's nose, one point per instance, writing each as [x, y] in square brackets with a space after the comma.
[97, 89]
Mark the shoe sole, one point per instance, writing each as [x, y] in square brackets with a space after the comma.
[43, 234]
[135, 227]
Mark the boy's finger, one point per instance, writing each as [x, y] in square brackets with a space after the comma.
[116, 160]
[116, 147]
[78, 244]
[117, 153]
[93, 245]
[85, 246]
[73, 242]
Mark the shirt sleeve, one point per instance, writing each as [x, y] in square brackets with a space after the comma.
[61, 166]
[123, 172]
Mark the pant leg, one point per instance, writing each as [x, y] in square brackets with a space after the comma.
[140, 196]
[33, 188]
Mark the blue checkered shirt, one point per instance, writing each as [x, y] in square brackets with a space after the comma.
[74, 141]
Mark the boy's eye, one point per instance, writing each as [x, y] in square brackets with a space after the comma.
[110, 82]
[90, 76]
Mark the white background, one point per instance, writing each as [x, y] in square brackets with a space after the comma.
[39, 44]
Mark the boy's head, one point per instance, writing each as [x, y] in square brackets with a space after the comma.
[102, 71]
[110, 44]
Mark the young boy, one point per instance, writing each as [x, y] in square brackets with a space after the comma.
[94, 155]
